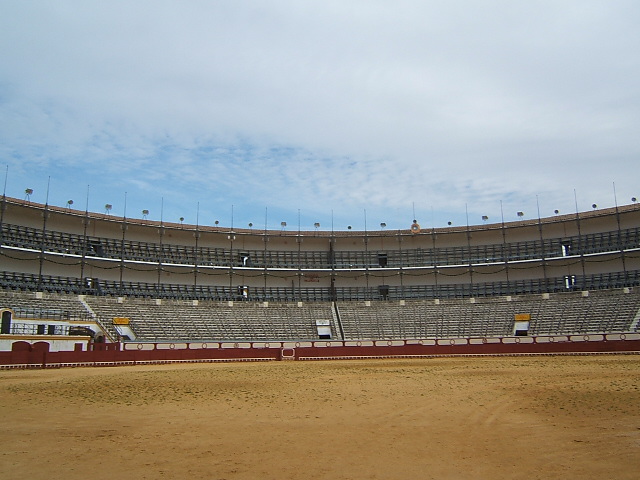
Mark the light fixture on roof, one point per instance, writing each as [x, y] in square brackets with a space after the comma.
[485, 218]
[250, 225]
[556, 211]
[145, 212]
[520, 214]
[594, 206]
[69, 203]
[181, 220]
[349, 227]
[383, 225]
[317, 225]
[216, 223]
[283, 225]
[27, 193]
[634, 199]
[449, 223]
[107, 208]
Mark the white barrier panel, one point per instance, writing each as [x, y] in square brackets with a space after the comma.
[596, 338]
[483, 340]
[327, 344]
[203, 345]
[297, 344]
[552, 339]
[172, 346]
[363, 343]
[139, 346]
[422, 341]
[586, 338]
[512, 340]
[389, 343]
[235, 345]
[267, 345]
[452, 341]
[623, 336]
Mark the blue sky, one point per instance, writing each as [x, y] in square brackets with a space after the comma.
[321, 111]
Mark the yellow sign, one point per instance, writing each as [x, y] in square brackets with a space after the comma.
[120, 321]
[522, 317]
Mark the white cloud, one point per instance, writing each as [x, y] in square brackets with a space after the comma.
[323, 106]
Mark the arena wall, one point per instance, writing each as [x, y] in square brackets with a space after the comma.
[38, 355]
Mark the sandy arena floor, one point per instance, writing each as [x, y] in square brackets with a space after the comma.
[457, 418]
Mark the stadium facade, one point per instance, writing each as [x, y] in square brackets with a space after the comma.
[83, 281]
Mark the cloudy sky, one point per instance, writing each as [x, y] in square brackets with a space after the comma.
[318, 111]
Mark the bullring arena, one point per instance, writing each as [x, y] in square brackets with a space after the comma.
[519, 417]
[502, 350]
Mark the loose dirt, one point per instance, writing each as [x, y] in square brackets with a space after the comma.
[449, 418]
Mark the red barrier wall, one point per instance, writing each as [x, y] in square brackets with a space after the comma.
[112, 354]
[481, 349]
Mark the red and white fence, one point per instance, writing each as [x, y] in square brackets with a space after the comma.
[24, 355]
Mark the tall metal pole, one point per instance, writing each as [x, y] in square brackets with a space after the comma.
[505, 248]
[3, 206]
[265, 263]
[85, 243]
[333, 292]
[231, 238]
[299, 242]
[434, 256]
[161, 250]
[44, 233]
[543, 256]
[580, 248]
[368, 295]
[195, 251]
[124, 230]
[620, 239]
[466, 209]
